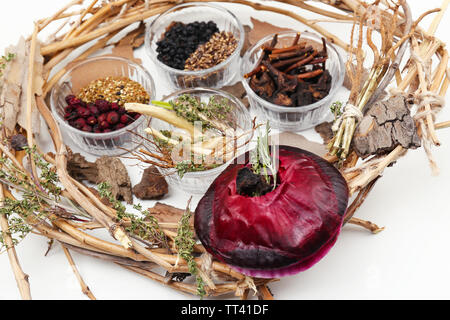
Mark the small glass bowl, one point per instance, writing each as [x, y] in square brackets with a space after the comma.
[197, 183]
[112, 143]
[293, 118]
[215, 77]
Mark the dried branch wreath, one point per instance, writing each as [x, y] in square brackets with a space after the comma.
[44, 197]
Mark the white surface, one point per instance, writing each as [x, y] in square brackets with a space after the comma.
[410, 259]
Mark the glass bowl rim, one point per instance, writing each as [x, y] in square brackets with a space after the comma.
[305, 108]
[107, 135]
[237, 51]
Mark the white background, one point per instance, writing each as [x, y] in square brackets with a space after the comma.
[410, 259]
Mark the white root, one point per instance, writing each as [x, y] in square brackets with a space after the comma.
[165, 115]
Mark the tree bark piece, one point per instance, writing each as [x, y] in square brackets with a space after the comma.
[80, 169]
[165, 213]
[325, 131]
[152, 186]
[105, 169]
[113, 171]
[386, 125]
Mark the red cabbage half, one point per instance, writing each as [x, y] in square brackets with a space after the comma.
[282, 232]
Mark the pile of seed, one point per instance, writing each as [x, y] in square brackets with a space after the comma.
[219, 48]
[118, 90]
[181, 40]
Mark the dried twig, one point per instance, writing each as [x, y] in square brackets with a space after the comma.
[21, 277]
[83, 285]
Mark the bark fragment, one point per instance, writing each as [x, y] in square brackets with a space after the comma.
[165, 213]
[105, 169]
[152, 186]
[386, 125]
[325, 131]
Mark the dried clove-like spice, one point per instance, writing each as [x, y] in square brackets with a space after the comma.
[291, 76]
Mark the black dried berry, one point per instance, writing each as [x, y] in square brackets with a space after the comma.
[181, 40]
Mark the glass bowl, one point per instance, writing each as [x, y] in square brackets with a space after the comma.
[197, 183]
[215, 77]
[112, 143]
[293, 118]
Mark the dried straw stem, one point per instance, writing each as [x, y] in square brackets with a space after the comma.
[84, 288]
[20, 276]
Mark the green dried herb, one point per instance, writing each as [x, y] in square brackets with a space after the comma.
[184, 243]
[37, 200]
[145, 227]
[190, 166]
[336, 109]
[194, 110]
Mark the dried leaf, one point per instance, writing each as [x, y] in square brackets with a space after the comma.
[261, 29]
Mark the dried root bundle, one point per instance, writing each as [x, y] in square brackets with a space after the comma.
[38, 193]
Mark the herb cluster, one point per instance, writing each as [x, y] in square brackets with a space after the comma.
[184, 243]
[37, 201]
[194, 110]
[145, 227]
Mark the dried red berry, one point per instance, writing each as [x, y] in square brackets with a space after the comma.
[115, 106]
[125, 119]
[83, 112]
[79, 123]
[112, 117]
[137, 116]
[93, 109]
[74, 101]
[91, 120]
[70, 116]
[97, 129]
[69, 98]
[101, 117]
[68, 109]
[120, 126]
[87, 128]
[121, 110]
[104, 125]
[103, 105]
